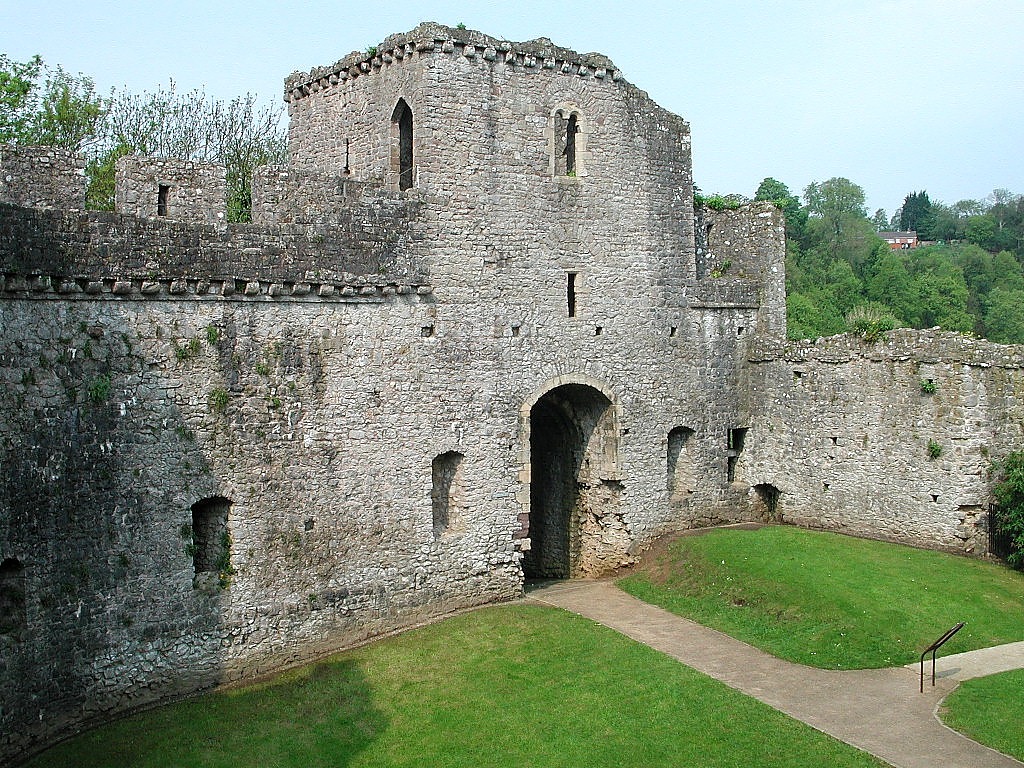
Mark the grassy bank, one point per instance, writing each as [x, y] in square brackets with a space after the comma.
[990, 710]
[832, 601]
[513, 685]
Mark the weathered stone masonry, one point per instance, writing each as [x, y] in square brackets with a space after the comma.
[475, 333]
[842, 429]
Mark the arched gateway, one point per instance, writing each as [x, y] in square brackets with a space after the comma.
[575, 521]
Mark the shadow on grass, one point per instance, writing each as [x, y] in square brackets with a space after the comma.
[322, 714]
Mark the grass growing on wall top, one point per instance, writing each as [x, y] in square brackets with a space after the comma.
[832, 601]
[990, 710]
[508, 686]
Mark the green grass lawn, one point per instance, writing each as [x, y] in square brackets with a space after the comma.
[832, 601]
[990, 710]
[514, 685]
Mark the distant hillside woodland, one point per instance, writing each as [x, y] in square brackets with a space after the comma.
[840, 275]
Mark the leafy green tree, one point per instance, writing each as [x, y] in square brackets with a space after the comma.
[1004, 316]
[808, 317]
[880, 221]
[844, 288]
[69, 111]
[776, 192]
[835, 199]
[62, 110]
[1008, 271]
[838, 219]
[1008, 515]
[983, 231]
[17, 82]
[941, 292]
[944, 223]
[890, 284]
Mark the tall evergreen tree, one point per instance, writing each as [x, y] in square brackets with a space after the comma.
[915, 216]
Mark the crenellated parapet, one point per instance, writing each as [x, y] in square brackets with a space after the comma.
[903, 345]
[314, 237]
[286, 195]
[42, 177]
[182, 190]
[429, 38]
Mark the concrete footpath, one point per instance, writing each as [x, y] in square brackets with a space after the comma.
[877, 710]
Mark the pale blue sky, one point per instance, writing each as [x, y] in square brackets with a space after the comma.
[895, 95]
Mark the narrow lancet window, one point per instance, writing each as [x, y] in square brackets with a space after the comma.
[402, 121]
[570, 293]
[570, 146]
[161, 199]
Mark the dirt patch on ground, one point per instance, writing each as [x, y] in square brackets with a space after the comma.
[656, 561]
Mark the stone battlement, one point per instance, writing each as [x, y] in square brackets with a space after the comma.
[901, 345]
[531, 56]
[372, 247]
[42, 177]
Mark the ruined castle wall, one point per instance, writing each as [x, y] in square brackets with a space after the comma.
[42, 177]
[364, 244]
[285, 195]
[319, 421]
[120, 415]
[315, 369]
[748, 243]
[842, 428]
[182, 190]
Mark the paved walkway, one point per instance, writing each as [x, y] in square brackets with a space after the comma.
[877, 710]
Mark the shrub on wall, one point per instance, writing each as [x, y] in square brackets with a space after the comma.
[870, 321]
[1007, 517]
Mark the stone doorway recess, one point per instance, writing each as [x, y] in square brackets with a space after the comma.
[575, 522]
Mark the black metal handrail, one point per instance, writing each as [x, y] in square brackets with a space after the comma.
[935, 647]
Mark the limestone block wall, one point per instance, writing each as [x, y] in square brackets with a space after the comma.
[842, 428]
[120, 416]
[68, 253]
[320, 423]
[285, 195]
[182, 190]
[42, 177]
[747, 243]
[483, 115]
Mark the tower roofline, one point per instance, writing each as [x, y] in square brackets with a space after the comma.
[430, 36]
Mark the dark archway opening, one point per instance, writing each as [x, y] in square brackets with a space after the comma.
[12, 597]
[766, 505]
[211, 542]
[446, 491]
[575, 527]
[402, 117]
